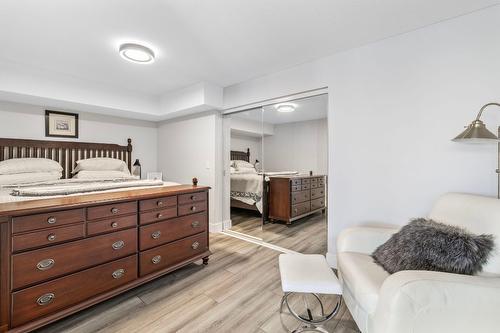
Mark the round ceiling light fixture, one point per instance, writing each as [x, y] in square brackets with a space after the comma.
[137, 53]
[285, 107]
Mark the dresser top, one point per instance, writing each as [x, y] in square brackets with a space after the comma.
[298, 176]
[31, 206]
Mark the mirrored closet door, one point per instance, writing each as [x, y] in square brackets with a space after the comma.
[247, 189]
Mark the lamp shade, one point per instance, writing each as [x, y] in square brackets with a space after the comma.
[476, 132]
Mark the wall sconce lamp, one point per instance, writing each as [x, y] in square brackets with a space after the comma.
[477, 132]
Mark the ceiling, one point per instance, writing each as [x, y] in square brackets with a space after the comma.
[222, 42]
[310, 108]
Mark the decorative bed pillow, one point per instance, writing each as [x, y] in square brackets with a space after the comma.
[101, 164]
[242, 164]
[29, 177]
[245, 170]
[28, 165]
[428, 245]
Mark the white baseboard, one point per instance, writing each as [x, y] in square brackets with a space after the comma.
[332, 259]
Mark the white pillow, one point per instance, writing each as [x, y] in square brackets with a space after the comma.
[28, 165]
[26, 178]
[242, 164]
[101, 164]
[246, 170]
[101, 175]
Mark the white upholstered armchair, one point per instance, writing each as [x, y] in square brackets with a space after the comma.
[422, 301]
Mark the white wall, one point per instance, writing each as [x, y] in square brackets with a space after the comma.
[242, 143]
[189, 147]
[394, 106]
[25, 121]
[301, 146]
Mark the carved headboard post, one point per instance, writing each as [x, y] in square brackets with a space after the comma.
[129, 150]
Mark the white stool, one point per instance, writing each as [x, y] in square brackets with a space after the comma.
[308, 274]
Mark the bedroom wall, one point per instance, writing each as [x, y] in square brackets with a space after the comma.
[394, 107]
[241, 143]
[28, 122]
[309, 140]
[191, 147]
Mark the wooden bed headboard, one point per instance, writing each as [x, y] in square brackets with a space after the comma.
[64, 152]
[240, 155]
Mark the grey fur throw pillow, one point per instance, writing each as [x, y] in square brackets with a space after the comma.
[428, 245]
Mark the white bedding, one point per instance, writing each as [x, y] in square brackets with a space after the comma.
[247, 187]
[6, 191]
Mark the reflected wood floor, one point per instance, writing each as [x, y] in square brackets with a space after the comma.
[239, 291]
[307, 235]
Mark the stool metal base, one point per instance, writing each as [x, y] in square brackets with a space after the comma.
[311, 322]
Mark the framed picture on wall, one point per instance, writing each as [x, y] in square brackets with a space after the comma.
[61, 124]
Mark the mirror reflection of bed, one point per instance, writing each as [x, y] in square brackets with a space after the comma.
[278, 171]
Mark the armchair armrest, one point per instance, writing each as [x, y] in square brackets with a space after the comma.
[363, 239]
[436, 302]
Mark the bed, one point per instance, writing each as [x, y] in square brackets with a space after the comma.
[62, 253]
[251, 190]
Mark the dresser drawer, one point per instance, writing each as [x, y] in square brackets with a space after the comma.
[298, 197]
[111, 225]
[170, 254]
[192, 208]
[43, 264]
[317, 193]
[99, 212]
[296, 188]
[317, 203]
[296, 181]
[192, 197]
[47, 220]
[49, 297]
[167, 231]
[301, 208]
[306, 181]
[306, 187]
[47, 237]
[158, 215]
[157, 203]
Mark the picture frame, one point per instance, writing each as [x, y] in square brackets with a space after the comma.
[61, 124]
[155, 176]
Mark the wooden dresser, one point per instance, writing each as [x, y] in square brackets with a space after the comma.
[294, 197]
[58, 256]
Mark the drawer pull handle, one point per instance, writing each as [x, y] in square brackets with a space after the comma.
[45, 299]
[156, 234]
[295, 210]
[114, 225]
[193, 208]
[51, 237]
[156, 260]
[159, 215]
[159, 203]
[45, 264]
[195, 245]
[114, 210]
[195, 224]
[118, 245]
[118, 273]
[193, 197]
[51, 220]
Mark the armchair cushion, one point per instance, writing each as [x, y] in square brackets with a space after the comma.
[427, 245]
[362, 277]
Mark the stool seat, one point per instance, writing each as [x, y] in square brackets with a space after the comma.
[307, 273]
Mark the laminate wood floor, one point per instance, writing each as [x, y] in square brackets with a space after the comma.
[307, 235]
[239, 291]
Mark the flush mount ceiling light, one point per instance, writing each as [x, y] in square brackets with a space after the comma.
[137, 53]
[285, 107]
